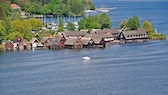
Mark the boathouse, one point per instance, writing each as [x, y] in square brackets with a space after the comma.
[106, 36]
[18, 40]
[16, 43]
[99, 42]
[73, 43]
[24, 45]
[87, 42]
[54, 44]
[139, 35]
[45, 41]
[114, 32]
[9, 45]
[61, 40]
[34, 42]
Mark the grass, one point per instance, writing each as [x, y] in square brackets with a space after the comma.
[157, 36]
[2, 47]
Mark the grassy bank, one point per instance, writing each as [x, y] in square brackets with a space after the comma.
[157, 36]
[2, 47]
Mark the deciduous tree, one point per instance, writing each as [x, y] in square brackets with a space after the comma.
[148, 26]
[71, 26]
[123, 24]
[61, 25]
[133, 23]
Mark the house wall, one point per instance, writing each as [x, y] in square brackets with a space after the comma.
[25, 46]
[9, 46]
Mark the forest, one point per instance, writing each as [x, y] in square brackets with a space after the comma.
[55, 7]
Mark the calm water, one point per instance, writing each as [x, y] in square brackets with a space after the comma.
[130, 69]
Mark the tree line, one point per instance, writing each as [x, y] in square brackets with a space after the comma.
[98, 21]
[19, 28]
[55, 7]
[134, 24]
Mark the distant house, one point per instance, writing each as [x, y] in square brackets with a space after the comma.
[15, 6]
[99, 42]
[45, 41]
[54, 44]
[9, 45]
[24, 45]
[61, 40]
[73, 43]
[139, 35]
[87, 42]
[18, 40]
[16, 43]
[106, 36]
[114, 32]
[34, 42]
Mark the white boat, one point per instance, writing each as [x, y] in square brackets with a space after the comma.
[86, 58]
[90, 11]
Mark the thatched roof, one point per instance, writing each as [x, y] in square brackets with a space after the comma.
[9, 41]
[106, 35]
[53, 42]
[58, 38]
[135, 34]
[74, 34]
[96, 40]
[33, 40]
[24, 41]
[113, 31]
[44, 39]
[71, 40]
[104, 31]
[85, 41]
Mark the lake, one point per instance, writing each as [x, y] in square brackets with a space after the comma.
[129, 69]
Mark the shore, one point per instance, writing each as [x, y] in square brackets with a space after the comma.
[2, 47]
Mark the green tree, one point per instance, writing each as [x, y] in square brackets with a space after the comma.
[34, 24]
[2, 30]
[76, 6]
[105, 21]
[5, 10]
[82, 23]
[12, 36]
[21, 26]
[96, 21]
[28, 7]
[61, 25]
[148, 26]
[71, 26]
[46, 9]
[133, 23]
[123, 24]
[152, 35]
[29, 36]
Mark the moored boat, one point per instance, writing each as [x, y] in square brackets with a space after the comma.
[86, 58]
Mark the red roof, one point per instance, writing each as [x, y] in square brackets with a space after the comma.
[14, 6]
